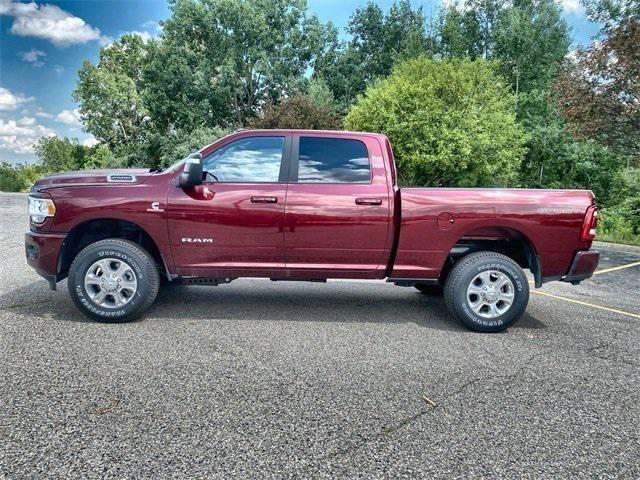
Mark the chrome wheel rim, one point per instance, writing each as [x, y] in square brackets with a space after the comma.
[110, 283]
[490, 294]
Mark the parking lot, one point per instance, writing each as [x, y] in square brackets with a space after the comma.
[343, 380]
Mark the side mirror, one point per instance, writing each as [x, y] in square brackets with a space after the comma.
[192, 173]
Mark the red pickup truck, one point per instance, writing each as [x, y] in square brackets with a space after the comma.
[302, 205]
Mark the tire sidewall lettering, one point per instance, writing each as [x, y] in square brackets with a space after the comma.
[513, 275]
[463, 309]
[88, 304]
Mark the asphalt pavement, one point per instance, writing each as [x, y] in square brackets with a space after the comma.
[257, 379]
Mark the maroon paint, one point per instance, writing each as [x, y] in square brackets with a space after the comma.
[313, 231]
[339, 229]
[246, 235]
[550, 219]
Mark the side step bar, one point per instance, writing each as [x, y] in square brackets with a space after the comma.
[202, 281]
[410, 282]
[315, 280]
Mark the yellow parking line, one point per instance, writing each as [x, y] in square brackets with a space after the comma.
[621, 312]
[613, 269]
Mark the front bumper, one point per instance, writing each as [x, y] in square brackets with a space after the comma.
[43, 251]
[583, 265]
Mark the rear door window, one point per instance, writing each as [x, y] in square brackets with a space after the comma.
[333, 160]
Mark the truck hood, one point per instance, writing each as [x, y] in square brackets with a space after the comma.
[122, 176]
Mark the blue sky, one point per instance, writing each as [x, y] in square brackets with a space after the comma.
[42, 45]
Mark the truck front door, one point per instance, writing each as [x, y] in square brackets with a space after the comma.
[232, 225]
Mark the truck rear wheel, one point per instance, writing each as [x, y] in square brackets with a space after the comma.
[113, 280]
[487, 291]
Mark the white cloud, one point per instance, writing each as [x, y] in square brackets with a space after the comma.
[43, 114]
[149, 30]
[27, 121]
[146, 36]
[69, 117]
[90, 141]
[10, 101]
[21, 138]
[34, 57]
[48, 22]
[105, 41]
[571, 6]
[151, 25]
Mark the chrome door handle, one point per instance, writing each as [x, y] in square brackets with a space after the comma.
[264, 199]
[368, 201]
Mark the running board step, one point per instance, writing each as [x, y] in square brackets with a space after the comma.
[202, 281]
[316, 280]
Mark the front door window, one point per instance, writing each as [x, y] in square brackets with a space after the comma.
[253, 159]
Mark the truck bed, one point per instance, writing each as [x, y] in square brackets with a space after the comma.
[433, 220]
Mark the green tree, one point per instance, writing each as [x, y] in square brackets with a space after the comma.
[529, 37]
[599, 92]
[60, 154]
[383, 39]
[452, 123]
[299, 111]
[556, 160]
[531, 40]
[468, 28]
[340, 69]
[253, 49]
[184, 89]
[100, 156]
[178, 146]
[459, 32]
[378, 41]
[109, 94]
[612, 13]
[56, 154]
[18, 178]
[620, 222]
[321, 95]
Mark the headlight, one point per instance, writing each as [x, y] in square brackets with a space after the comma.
[40, 209]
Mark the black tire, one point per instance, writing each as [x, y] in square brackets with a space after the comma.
[142, 266]
[458, 300]
[429, 289]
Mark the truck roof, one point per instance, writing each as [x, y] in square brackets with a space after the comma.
[284, 131]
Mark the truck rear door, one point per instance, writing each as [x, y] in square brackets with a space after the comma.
[338, 208]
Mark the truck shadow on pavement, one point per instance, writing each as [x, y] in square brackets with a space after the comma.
[262, 301]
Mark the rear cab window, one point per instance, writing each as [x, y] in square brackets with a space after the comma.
[332, 160]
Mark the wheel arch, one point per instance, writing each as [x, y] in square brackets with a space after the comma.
[96, 229]
[504, 239]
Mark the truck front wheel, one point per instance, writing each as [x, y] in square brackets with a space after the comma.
[113, 280]
[487, 291]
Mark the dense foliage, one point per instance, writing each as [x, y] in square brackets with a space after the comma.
[482, 92]
[378, 40]
[299, 111]
[599, 91]
[451, 123]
